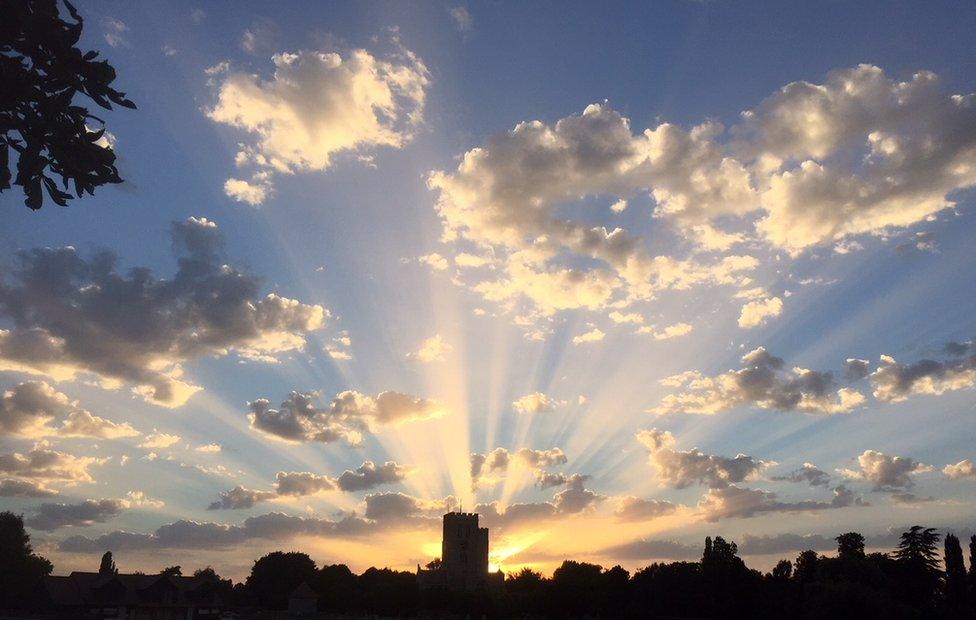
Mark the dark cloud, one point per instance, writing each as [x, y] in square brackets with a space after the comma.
[762, 381]
[24, 488]
[42, 463]
[186, 534]
[240, 498]
[653, 550]
[49, 517]
[369, 475]
[575, 498]
[302, 483]
[733, 501]
[72, 314]
[638, 509]
[886, 472]
[299, 419]
[784, 543]
[894, 382]
[488, 468]
[680, 469]
[809, 474]
[400, 507]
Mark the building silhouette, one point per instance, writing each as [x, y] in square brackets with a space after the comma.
[464, 557]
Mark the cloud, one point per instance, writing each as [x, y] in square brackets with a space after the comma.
[536, 402]
[895, 382]
[808, 474]
[435, 261]
[733, 501]
[253, 192]
[784, 543]
[49, 517]
[506, 194]
[401, 507]
[28, 409]
[856, 369]
[652, 550]
[760, 382]
[240, 498]
[619, 206]
[668, 332]
[299, 419]
[462, 19]
[24, 488]
[369, 475]
[318, 105]
[632, 508]
[433, 349]
[156, 440]
[963, 470]
[904, 172]
[300, 484]
[886, 472]
[681, 469]
[115, 32]
[755, 313]
[594, 335]
[187, 534]
[210, 448]
[488, 469]
[73, 315]
[48, 465]
[575, 498]
[812, 164]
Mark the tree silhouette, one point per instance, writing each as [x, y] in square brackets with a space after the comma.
[172, 571]
[806, 566]
[918, 557]
[274, 576]
[850, 545]
[107, 566]
[21, 571]
[955, 571]
[41, 71]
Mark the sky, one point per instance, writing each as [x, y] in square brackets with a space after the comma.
[615, 277]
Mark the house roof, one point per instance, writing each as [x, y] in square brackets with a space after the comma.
[303, 591]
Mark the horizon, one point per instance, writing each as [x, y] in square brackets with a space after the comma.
[615, 278]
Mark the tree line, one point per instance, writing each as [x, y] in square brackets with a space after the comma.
[924, 577]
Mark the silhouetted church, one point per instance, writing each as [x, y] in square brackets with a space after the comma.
[464, 557]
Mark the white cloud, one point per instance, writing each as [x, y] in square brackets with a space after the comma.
[318, 105]
[433, 349]
[157, 440]
[462, 18]
[964, 469]
[755, 313]
[210, 448]
[253, 193]
[594, 335]
[668, 332]
[115, 32]
[435, 261]
[536, 402]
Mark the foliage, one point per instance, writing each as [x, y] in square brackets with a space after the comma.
[21, 570]
[42, 70]
[107, 565]
[274, 576]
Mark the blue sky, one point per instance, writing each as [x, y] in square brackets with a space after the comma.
[357, 225]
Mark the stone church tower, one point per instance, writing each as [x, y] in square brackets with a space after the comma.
[464, 557]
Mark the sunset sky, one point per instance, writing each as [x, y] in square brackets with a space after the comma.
[615, 277]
